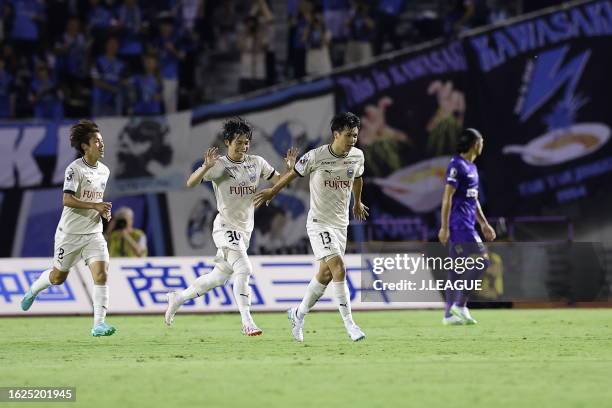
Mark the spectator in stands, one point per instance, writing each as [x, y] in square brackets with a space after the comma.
[7, 92]
[108, 75]
[25, 17]
[130, 22]
[317, 38]
[71, 66]
[503, 10]
[45, 96]
[123, 239]
[387, 20]
[361, 33]
[253, 43]
[226, 20]
[190, 11]
[266, 19]
[297, 42]
[467, 14]
[71, 51]
[147, 89]
[336, 14]
[100, 20]
[170, 54]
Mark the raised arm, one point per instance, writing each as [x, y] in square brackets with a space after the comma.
[210, 158]
[265, 196]
[289, 162]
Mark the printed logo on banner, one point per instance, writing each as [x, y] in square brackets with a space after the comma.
[151, 282]
[10, 286]
[54, 293]
[13, 286]
[565, 139]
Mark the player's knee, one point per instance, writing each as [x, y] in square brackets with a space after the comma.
[100, 278]
[218, 277]
[324, 276]
[240, 263]
[57, 277]
[336, 267]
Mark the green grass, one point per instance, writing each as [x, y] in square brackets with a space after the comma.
[513, 358]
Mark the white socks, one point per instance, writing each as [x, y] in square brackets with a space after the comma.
[242, 291]
[100, 303]
[41, 283]
[343, 299]
[314, 291]
[204, 283]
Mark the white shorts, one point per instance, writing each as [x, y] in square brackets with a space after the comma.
[326, 241]
[70, 248]
[225, 236]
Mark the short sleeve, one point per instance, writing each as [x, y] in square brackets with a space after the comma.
[215, 172]
[305, 164]
[452, 175]
[267, 171]
[361, 167]
[71, 179]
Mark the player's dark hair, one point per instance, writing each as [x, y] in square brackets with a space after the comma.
[344, 121]
[466, 140]
[235, 127]
[82, 132]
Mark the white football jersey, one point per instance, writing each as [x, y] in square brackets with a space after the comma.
[235, 184]
[331, 183]
[87, 183]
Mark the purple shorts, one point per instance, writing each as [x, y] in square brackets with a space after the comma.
[464, 243]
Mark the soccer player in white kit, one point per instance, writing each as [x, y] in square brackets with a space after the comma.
[79, 232]
[234, 178]
[335, 170]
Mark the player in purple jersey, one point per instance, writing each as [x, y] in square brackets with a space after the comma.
[460, 211]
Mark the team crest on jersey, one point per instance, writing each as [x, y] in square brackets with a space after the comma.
[350, 172]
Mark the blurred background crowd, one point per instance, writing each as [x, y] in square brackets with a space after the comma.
[76, 58]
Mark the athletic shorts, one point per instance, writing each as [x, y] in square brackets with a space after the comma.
[464, 243]
[325, 240]
[70, 248]
[225, 236]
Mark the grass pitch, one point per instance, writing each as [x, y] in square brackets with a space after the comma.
[513, 358]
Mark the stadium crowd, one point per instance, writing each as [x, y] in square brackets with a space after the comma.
[79, 58]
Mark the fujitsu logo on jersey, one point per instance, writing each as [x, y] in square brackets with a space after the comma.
[242, 190]
[337, 183]
[91, 195]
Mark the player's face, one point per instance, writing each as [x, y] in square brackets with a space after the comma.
[238, 148]
[346, 139]
[479, 145]
[95, 148]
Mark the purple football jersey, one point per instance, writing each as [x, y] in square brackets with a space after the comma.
[463, 175]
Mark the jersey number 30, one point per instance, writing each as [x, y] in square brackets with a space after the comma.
[233, 236]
